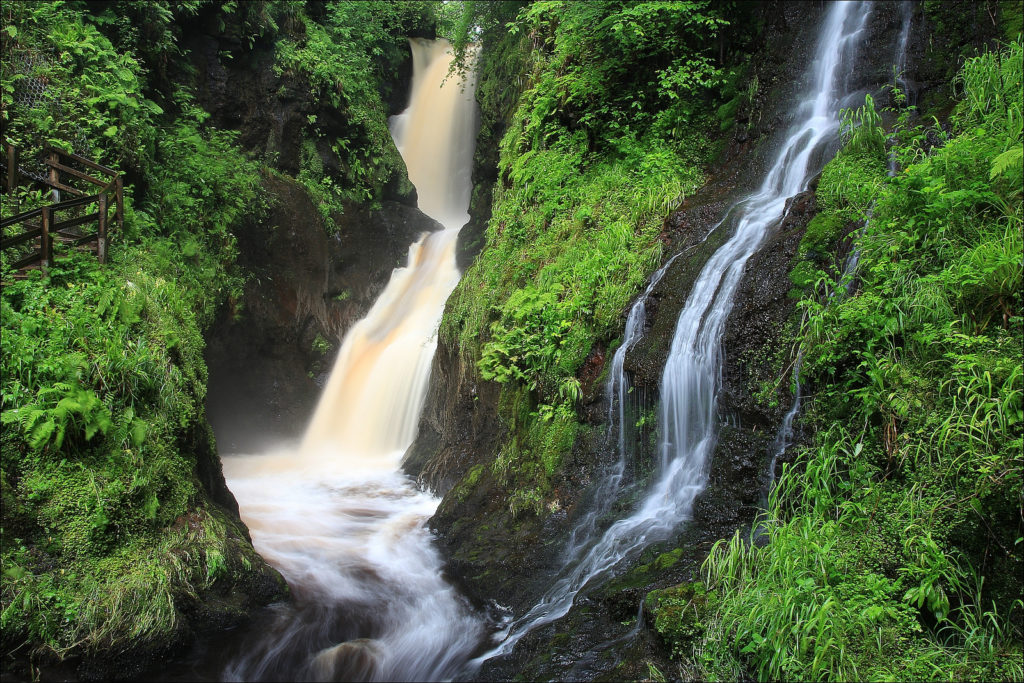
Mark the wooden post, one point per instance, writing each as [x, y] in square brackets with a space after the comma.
[54, 175]
[45, 251]
[119, 188]
[101, 239]
[12, 169]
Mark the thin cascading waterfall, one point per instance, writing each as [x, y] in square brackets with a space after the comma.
[900, 70]
[617, 389]
[692, 373]
[784, 437]
[906, 19]
[337, 517]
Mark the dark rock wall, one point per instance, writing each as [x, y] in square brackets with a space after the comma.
[272, 112]
[268, 362]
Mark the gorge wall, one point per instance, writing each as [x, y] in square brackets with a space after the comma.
[500, 554]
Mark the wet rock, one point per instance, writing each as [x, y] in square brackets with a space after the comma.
[490, 553]
[738, 473]
[355, 660]
[679, 614]
[304, 290]
[272, 111]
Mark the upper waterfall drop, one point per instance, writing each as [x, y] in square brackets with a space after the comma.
[339, 519]
[372, 401]
[431, 133]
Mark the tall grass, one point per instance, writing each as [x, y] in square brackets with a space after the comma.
[893, 542]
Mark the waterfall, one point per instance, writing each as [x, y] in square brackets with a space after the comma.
[899, 71]
[336, 516]
[900, 63]
[617, 390]
[784, 437]
[691, 376]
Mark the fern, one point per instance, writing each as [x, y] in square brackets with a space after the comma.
[1010, 163]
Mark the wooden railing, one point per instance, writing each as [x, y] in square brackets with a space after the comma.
[74, 175]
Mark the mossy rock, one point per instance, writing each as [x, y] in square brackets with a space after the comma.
[679, 614]
[644, 574]
[821, 236]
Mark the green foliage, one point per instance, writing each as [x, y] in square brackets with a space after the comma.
[861, 129]
[593, 159]
[345, 55]
[894, 545]
[104, 530]
[72, 88]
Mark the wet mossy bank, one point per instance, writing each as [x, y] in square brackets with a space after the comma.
[121, 541]
[504, 553]
[501, 555]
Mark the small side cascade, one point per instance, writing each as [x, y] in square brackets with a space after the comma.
[692, 373]
[900, 69]
[617, 390]
[784, 438]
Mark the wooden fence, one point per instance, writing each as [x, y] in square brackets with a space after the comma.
[76, 176]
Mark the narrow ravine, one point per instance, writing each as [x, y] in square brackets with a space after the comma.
[687, 420]
[336, 516]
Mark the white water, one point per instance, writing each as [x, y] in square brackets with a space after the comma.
[692, 373]
[900, 68]
[617, 390]
[907, 16]
[336, 516]
[784, 437]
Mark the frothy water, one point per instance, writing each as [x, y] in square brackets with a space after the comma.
[336, 516]
[691, 377]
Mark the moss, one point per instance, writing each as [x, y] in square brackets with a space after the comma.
[849, 183]
[129, 596]
[644, 574]
[680, 614]
[822, 233]
[467, 484]
[804, 275]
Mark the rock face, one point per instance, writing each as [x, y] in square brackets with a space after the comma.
[496, 556]
[305, 290]
[274, 113]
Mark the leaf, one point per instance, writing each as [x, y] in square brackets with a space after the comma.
[138, 432]
[1009, 161]
[110, 132]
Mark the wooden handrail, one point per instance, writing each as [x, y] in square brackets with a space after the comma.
[72, 203]
[109, 196]
[50, 149]
[23, 237]
[65, 188]
[19, 218]
[88, 218]
[113, 183]
[78, 174]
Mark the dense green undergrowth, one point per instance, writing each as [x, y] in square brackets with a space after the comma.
[113, 532]
[593, 160]
[107, 533]
[346, 54]
[894, 544]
